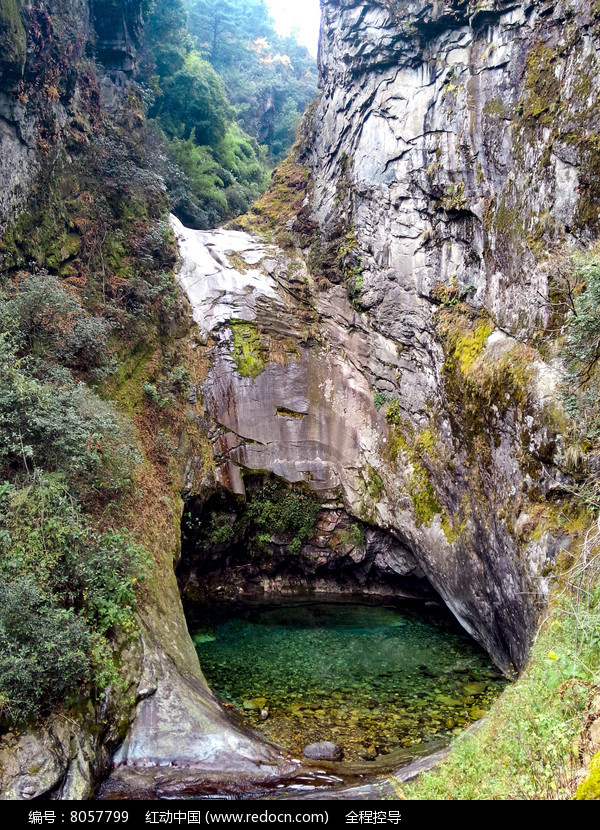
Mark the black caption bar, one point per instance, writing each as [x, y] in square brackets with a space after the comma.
[214, 813]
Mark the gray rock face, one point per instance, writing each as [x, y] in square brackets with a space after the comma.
[449, 127]
[445, 141]
[18, 160]
[308, 414]
[112, 27]
[118, 25]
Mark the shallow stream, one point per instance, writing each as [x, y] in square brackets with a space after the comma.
[373, 678]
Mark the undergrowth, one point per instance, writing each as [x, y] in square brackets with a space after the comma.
[534, 741]
[86, 286]
[65, 590]
[274, 510]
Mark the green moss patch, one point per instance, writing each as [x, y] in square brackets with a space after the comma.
[247, 350]
[479, 391]
[543, 88]
[423, 497]
[589, 789]
[470, 345]
[290, 413]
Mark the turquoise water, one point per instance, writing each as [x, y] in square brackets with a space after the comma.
[372, 678]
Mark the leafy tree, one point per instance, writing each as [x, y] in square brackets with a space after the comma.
[166, 38]
[221, 84]
[215, 23]
[270, 80]
[194, 100]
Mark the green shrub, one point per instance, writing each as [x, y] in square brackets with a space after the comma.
[43, 651]
[220, 529]
[353, 536]
[380, 398]
[283, 511]
[392, 413]
[50, 322]
[65, 590]
[582, 349]
[165, 392]
[49, 421]
[581, 383]
[222, 181]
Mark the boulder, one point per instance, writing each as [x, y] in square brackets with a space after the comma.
[324, 751]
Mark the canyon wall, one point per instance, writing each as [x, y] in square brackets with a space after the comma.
[74, 175]
[384, 339]
[456, 144]
[403, 363]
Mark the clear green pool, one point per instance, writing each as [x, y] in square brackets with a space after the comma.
[373, 678]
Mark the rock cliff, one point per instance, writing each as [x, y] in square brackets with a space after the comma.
[379, 338]
[396, 365]
[454, 143]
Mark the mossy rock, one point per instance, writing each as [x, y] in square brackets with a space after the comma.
[424, 499]
[246, 350]
[13, 40]
[589, 789]
[469, 346]
[543, 96]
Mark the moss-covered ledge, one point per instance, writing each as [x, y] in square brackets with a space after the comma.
[13, 40]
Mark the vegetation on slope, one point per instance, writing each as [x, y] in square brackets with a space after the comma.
[226, 96]
[274, 509]
[539, 739]
[535, 740]
[88, 315]
[92, 364]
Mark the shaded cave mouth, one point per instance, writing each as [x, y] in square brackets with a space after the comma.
[311, 626]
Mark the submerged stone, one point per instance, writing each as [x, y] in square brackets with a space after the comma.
[324, 751]
[475, 688]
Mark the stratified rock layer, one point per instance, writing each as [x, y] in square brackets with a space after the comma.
[299, 402]
[451, 156]
[451, 148]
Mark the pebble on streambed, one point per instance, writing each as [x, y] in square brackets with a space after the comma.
[324, 751]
